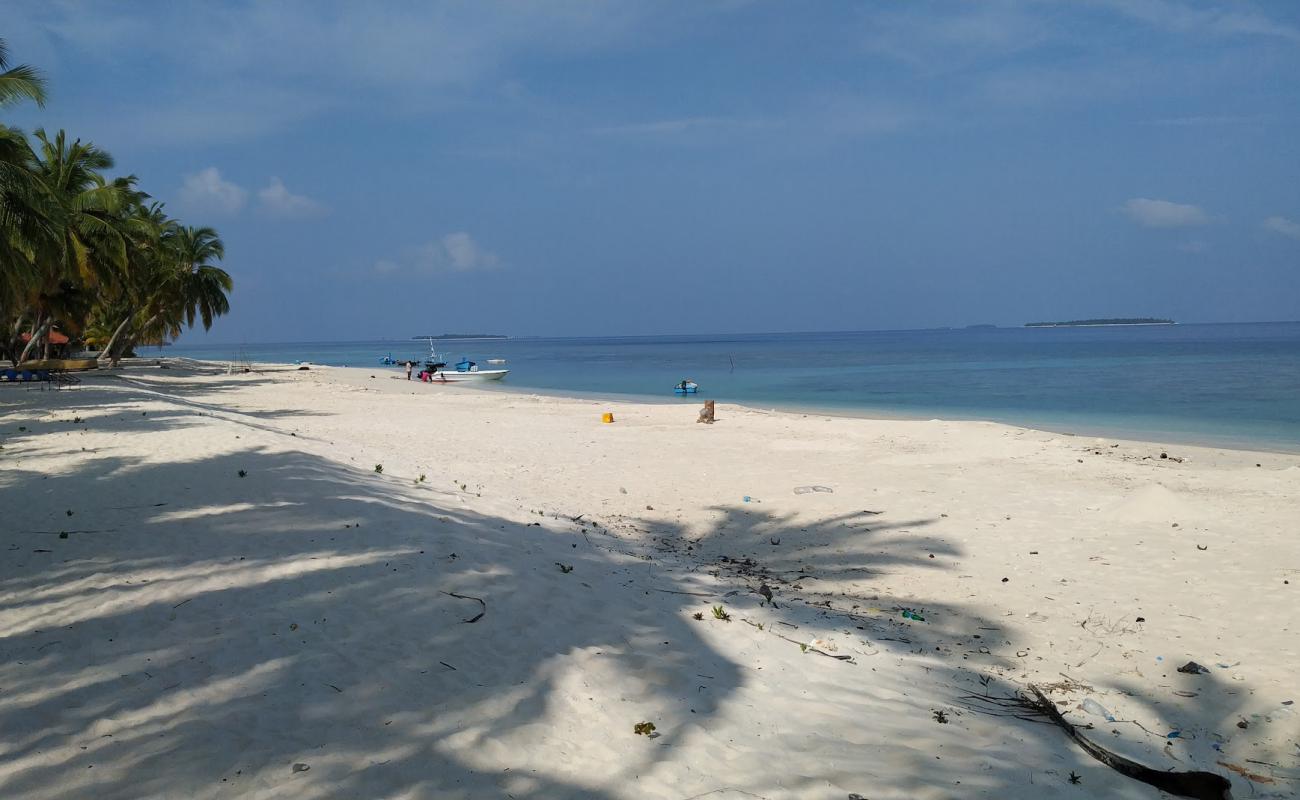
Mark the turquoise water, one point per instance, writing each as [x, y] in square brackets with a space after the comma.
[1212, 384]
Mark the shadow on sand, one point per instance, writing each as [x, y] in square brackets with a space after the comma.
[320, 602]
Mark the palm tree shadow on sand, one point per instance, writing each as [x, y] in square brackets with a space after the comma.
[311, 630]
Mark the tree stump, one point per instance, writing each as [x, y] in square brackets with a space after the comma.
[706, 413]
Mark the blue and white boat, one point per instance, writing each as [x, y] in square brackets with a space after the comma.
[462, 371]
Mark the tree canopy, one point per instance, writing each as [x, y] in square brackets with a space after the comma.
[89, 254]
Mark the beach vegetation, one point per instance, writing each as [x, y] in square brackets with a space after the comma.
[721, 613]
[88, 260]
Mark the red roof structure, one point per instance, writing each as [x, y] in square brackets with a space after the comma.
[55, 338]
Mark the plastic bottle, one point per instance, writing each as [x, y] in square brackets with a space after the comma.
[1093, 707]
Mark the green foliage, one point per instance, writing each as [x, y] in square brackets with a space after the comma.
[721, 613]
[643, 728]
[89, 255]
[379, 468]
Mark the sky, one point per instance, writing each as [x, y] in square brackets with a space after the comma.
[570, 168]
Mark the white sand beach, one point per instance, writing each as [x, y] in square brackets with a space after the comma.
[209, 590]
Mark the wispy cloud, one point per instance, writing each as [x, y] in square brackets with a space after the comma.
[1283, 227]
[1224, 20]
[1198, 120]
[206, 191]
[277, 200]
[1164, 214]
[681, 125]
[452, 252]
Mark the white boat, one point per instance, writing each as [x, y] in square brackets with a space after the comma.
[445, 375]
[465, 371]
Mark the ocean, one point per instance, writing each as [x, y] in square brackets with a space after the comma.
[1234, 385]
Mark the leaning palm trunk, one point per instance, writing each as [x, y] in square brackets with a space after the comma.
[108, 348]
[129, 342]
[14, 343]
[38, 333]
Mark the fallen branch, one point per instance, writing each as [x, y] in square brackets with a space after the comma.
[694, 594]
[1197, 785]
[477, 616]
[101, 530]
[807, 648]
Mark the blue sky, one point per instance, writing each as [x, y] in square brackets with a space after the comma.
[572, 168]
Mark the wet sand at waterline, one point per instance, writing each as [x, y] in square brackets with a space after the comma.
[323, 584]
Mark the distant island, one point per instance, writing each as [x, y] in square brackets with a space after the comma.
[983, 326]
[1081, 323]
[464, 336]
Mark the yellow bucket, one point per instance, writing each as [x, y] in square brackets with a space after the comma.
[607, 417]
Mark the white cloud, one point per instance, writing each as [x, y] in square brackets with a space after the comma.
[453, 252]
[278, 200]
[1164, 214]
[1232, 20]
[1283, 226]
[671, 127]
[207, 191]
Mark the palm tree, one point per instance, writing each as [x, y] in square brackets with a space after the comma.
[188, 287]
[20, 82]
[89, 253]
[89, 246]
[21, 221]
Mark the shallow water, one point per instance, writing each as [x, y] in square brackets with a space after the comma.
[1212, 384]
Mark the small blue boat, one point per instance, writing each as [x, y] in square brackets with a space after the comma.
[687, 386]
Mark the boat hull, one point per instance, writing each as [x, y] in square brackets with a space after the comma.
[474, 376]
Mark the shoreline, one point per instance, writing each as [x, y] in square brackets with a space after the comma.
[1133, 435]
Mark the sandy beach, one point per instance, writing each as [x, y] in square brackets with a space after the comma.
[337, 584]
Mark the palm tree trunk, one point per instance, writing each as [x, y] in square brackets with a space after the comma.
[129, 342]
[14, 344]
[38, 333]
[108, 348]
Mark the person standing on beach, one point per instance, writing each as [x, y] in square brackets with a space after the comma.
[409, 366]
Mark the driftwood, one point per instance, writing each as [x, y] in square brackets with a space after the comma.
[479, 600]
[1197, 785]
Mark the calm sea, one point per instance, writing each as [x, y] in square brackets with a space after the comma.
[1212, 384]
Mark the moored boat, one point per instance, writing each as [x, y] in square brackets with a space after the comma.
[464, 371]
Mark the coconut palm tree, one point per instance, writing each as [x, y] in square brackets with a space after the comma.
[187, 288]
[89, 246]
[89, 253]
[19, 83]
[21, 223]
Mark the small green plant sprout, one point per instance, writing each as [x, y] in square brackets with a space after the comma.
[421, 478]
[565, 568]
[698, 615]
[803, 648]
[242, 473]
[721, 613]
[643, 728]
[379, 468]
[940, 716]
[1075, 778]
